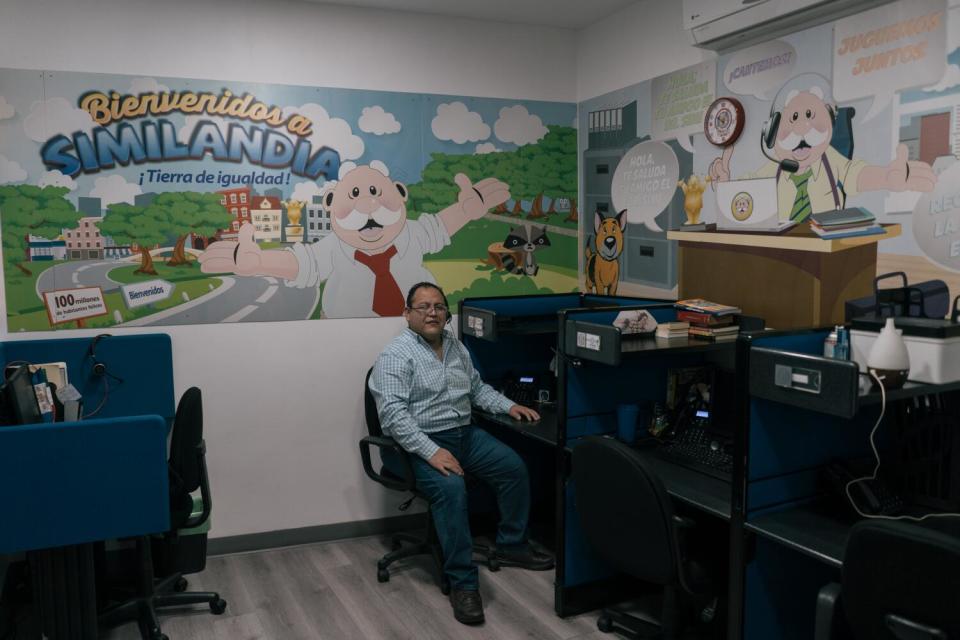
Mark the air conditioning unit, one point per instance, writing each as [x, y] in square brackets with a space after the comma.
[722, 25]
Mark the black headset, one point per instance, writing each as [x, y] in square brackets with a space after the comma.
[768, 133]
[99, 368]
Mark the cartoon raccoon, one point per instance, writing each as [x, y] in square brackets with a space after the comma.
[528, 240]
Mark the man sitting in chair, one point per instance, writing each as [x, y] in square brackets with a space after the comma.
[425, 385]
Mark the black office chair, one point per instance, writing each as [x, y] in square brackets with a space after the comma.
[415, 545]
[900, 581]
[177, 552]
[628, 520]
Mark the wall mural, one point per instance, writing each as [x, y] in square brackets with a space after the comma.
[864, 112]
[128, 201]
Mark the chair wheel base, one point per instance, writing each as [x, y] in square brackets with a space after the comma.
[218, 606]
[180, 585]
[605, 624]
[383, 575]
[493, 564]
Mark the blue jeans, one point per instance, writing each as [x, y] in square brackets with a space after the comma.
[483, 457]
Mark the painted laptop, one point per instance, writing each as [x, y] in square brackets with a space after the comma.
[749, 205]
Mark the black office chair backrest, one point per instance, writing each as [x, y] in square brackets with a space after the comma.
[897, 571]
[370, 409]
[184, 463]
[624, 510]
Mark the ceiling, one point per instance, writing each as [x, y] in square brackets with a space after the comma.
[568, 14]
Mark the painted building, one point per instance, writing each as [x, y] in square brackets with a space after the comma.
[318, 220]
[648, 258]
[41, 249]
[265, 213]
[85, 242]
[237, 203]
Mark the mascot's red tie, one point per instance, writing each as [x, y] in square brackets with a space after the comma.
[387, 297]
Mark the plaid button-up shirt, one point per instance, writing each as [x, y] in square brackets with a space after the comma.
[418, 394]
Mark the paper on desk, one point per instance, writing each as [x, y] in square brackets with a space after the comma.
[635, 321]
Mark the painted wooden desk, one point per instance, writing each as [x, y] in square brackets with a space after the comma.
[792, 280]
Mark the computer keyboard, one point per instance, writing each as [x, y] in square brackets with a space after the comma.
[700, 450]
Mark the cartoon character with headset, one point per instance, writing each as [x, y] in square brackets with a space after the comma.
[812, 176]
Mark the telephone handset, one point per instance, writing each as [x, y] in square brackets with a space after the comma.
[871, 496]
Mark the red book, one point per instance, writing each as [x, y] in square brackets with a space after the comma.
[696, 317]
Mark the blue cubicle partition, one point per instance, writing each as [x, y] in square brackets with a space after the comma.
[75, 482]
[143, 362]
[527, 337]
[594, 390]
[70, 483]
[786, 448]
[519, 306]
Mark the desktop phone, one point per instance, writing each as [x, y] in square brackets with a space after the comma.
[529, 389]
[692, 438]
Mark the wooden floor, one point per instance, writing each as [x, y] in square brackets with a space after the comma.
[330, 590]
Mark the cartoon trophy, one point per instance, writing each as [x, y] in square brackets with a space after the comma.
[294, 231]
[693, 197]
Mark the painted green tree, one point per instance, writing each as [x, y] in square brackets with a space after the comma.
[30, 210]
[133, 224]
[545, 169]
[189, 212]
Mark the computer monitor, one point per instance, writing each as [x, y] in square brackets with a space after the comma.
[19, 399]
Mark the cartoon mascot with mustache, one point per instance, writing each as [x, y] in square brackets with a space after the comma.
[825, 178]
[374, 253]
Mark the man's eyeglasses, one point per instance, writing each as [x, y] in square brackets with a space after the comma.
[440, 309]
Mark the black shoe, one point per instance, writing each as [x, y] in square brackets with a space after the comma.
[467, 606]
[525, 557]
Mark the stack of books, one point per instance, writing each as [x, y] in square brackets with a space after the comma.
[709, 320]
[845, 223]
[673, 330]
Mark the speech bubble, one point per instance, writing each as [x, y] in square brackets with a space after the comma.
[888, 49]
[678, 100]
[759, 71]
[936, 220]
[644, 182]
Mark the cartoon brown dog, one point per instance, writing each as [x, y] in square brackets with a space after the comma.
[603, 267]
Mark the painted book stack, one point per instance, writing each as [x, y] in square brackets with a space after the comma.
[709, 320]
[844, 223]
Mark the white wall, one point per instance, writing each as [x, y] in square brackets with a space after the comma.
[282, 401]
[640, 42]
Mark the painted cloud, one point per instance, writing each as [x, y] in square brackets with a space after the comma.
[457, 123]
[486, 147]
[518, 126]
[56, 179]
[334, 133]
[11, 171]
[113, 189]
[47, 118]
[377, 121]
[304, 191]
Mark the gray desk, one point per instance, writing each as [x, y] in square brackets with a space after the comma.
[543, 430]
[691, 487]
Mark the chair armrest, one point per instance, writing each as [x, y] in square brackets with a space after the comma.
[408, 483]
[829, 613]
[204, 489]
